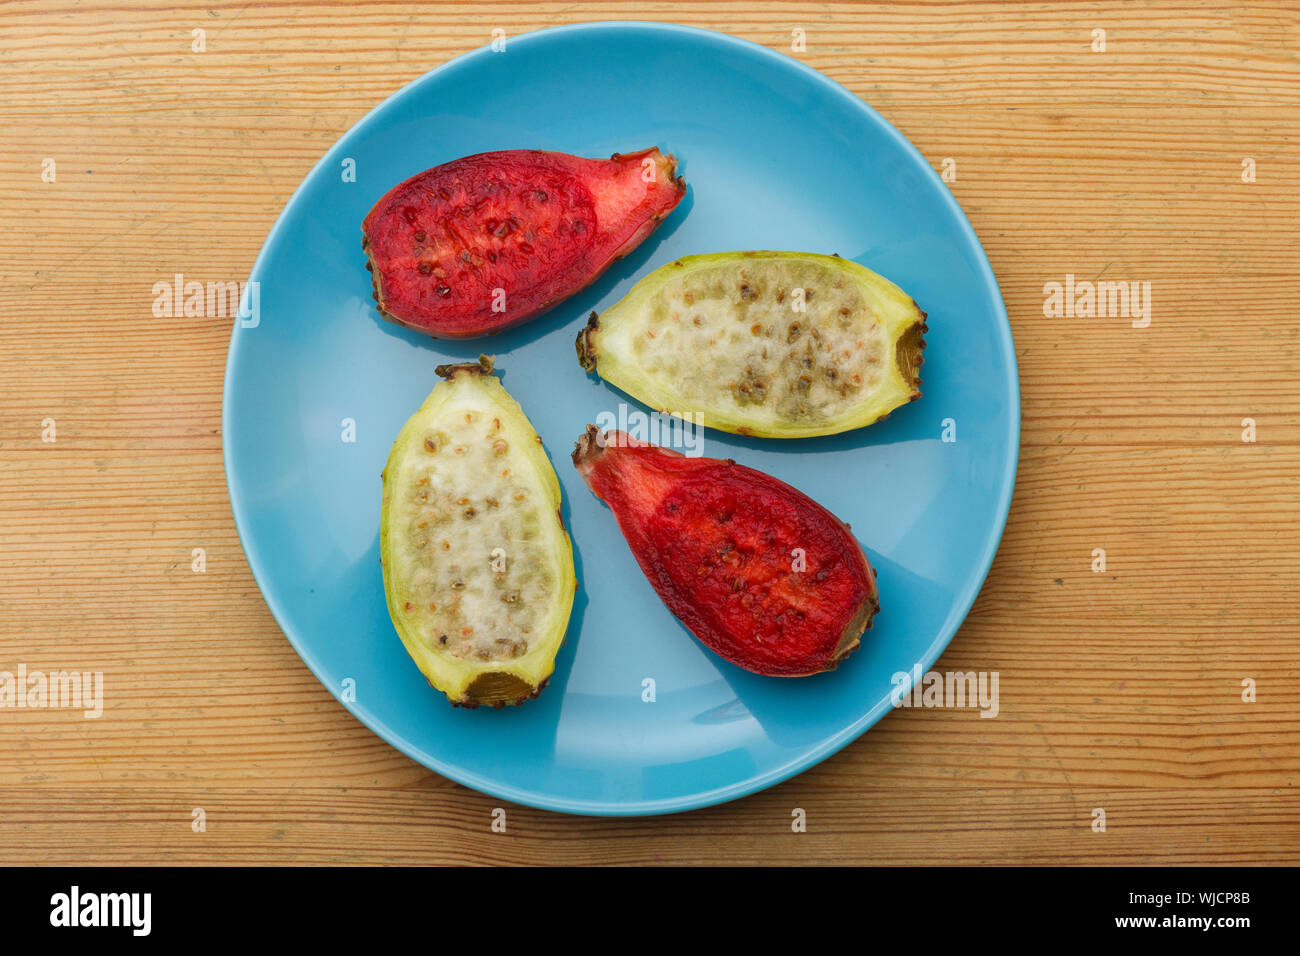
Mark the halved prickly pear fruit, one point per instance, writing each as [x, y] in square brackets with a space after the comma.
[763, 575]
[478, 569]
[774, 344]
[482, 243]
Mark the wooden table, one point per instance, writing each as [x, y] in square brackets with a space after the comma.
[1120, 690]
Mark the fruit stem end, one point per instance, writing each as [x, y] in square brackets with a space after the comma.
[588, 446]
[482, 367]
[587, 348]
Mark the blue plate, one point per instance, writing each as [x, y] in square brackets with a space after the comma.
[776, 156]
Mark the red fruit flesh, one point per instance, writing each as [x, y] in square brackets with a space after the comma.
[759, 572]
[482, 243]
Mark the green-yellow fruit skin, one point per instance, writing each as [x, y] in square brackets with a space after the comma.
[478, 545]
[653, 345]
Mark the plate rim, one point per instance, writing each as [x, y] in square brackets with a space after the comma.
[829, 745]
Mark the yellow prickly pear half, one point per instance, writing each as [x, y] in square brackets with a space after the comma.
[772, 344]
[478, 569]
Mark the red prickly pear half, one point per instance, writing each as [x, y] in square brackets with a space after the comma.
[763, 575]
[483, 243]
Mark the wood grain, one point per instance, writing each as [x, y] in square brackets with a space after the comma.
[1120, 690]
